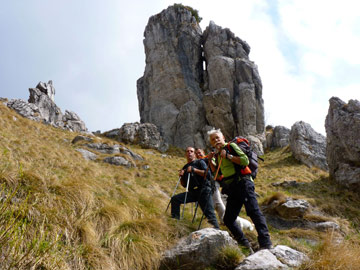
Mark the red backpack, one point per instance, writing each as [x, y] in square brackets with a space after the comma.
[244, 145]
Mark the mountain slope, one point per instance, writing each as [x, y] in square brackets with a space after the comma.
[59, 211]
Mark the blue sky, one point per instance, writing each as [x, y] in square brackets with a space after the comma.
[306, 52]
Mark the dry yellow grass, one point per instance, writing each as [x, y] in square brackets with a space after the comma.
[334, 255]
[69, 213]
[94, 215]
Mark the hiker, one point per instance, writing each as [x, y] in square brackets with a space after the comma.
[218, 202]
[199, 188]
[239, 186]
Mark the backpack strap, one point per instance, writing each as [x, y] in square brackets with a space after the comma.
[243, 170]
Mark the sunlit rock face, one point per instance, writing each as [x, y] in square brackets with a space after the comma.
[194, 81]
[343, 142]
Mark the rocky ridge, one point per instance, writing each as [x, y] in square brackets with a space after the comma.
[42, 108]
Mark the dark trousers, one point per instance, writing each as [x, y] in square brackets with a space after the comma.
[203, 196]
[242, 193]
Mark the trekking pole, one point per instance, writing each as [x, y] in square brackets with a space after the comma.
[202, 217]
[173, 194]
[187, 189]
[196, 207]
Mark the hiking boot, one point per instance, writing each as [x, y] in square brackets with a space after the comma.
[266, 247]
[245, 244]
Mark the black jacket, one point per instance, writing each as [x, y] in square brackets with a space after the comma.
[196, 181]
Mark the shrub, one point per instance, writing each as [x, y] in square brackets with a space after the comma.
[194, 12]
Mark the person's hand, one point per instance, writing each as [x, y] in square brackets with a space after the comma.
[181, 172]
[223, 153]
[189, 169]
[211, 155]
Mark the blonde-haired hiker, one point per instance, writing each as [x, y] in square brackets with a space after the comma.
[239, 186]
[218, 202]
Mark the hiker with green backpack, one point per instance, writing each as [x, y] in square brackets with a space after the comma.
[238, 184]
[198, 188]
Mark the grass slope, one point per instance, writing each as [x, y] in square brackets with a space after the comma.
[59, 211]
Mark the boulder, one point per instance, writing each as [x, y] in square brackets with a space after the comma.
[87, 154]
[261, 260]
[118, 161]
[291, 213]
[73, 122]
[104, 148]
[308, 146]
[280, 257]
[289, 256]
[343, 142]
[293, 208]
[277, 137]
[79, 138]
[197, 251]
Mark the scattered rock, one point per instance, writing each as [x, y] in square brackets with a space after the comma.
[343, 142]
[145, 167]
[119, 161]
[289, 256]
[73, 122]
[81, 138]
[87, 154]
[287, 183]
[328, 225]
[288, 214]
[293, 208]
[104, 148]
[280, 257]
[308, 146]
[261, 260]
[146, 135]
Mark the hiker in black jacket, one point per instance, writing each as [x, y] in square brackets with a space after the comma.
[199, 188]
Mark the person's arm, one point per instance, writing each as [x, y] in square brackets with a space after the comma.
[199, 171]
[241, 159]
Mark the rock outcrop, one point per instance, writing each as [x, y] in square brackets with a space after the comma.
[146, 135]
[277, 137]
[41, 107]
[308, 146]
[184, 99]
[343, 142]
[234, 84]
